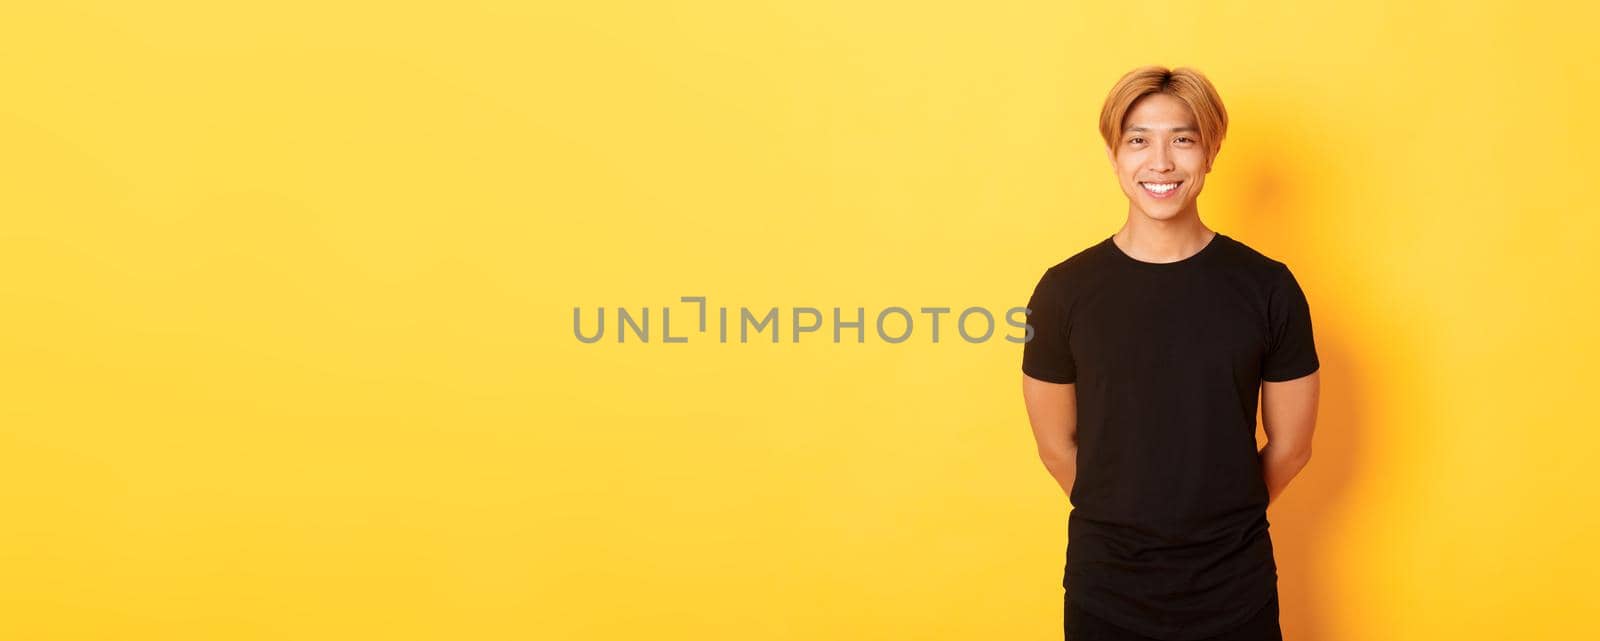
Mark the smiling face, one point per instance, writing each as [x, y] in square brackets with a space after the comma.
[1160, 159]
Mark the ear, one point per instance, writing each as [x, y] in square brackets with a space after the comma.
[1111, 157]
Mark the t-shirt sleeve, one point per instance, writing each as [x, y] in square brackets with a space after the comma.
[1291, 350]
[1046, 356]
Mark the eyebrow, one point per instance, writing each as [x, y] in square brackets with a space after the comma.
[1171, 129]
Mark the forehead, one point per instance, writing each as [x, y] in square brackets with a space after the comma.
[1159, 111]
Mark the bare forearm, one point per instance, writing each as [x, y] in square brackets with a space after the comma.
[1279, 465]
[1063, 468]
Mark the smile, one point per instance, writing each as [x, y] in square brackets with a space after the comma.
[1160, 190]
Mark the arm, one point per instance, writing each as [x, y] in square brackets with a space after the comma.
[1053, 413]
[1288, 414]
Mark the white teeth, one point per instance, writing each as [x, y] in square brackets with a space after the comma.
[1160, 188]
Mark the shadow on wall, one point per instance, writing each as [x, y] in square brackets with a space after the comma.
[1275, 220]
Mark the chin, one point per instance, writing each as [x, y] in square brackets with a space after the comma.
[1163, 213]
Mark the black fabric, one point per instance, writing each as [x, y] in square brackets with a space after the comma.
[1079, 625]
[1168, 535]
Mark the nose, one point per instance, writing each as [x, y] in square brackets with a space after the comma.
[1162, 160]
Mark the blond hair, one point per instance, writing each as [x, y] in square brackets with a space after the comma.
[1185, 84]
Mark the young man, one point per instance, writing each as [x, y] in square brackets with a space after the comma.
[1141, 383]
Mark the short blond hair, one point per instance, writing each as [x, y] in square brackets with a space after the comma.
[1185, 84]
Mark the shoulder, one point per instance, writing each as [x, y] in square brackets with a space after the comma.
[1260, 267]
[1078, 263]
[1244, 255]
[1063, 282]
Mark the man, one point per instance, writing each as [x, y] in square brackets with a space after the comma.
[1141, 384]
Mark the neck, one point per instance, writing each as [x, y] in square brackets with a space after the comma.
[1161, 241]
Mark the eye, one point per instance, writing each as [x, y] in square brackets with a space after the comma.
[1185, 139]
[1136, 140]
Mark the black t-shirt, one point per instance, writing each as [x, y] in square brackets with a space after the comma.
[1168, 532]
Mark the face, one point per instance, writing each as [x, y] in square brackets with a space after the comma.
[1160, 160]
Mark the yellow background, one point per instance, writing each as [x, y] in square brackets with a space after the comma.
[287, 312]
